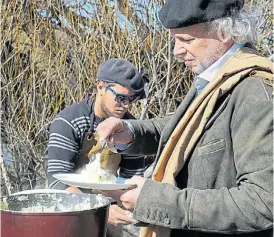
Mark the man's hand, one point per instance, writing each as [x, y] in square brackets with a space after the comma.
[114, 194]
[118, 216]
[115, 130]
[129, 198]
[73, 190]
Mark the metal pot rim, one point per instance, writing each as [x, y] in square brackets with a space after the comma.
[53, 213]
[48, 213]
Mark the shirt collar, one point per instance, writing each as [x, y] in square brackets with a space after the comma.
[210, 72]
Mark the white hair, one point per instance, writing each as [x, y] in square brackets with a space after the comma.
[241, 27]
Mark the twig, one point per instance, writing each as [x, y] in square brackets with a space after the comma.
[5, 175]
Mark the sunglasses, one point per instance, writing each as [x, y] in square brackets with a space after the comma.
[123, 99]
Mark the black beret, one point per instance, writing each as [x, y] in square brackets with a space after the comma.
[122, 72]
[182, 13]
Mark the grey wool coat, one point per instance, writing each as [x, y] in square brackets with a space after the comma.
[226, 187]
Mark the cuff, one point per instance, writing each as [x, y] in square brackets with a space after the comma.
[164, 205]
[149, 207]
[123, 147]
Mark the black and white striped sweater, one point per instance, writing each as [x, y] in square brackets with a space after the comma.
[66, 137]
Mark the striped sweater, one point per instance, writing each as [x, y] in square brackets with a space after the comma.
[66, 137]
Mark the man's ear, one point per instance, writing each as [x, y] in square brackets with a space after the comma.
[100, 85]
[223, 36]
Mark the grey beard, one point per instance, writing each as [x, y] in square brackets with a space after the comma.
[202, 66]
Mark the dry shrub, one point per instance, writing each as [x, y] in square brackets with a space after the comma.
[49, 60]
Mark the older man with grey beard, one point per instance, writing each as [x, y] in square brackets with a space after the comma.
[213, 173]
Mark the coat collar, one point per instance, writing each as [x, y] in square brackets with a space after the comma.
[175, 118]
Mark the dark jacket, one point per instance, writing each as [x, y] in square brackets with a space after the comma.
[226, 186]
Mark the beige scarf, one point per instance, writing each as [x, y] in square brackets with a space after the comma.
[186, 134]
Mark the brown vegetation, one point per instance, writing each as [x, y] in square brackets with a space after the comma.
[49, 60]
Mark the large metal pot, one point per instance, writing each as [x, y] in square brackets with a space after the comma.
[56, 213]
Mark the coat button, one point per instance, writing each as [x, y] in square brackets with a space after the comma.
[167, 221]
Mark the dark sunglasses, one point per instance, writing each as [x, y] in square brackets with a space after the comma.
[123, 99]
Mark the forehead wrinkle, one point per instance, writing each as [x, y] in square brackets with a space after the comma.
[196, 31]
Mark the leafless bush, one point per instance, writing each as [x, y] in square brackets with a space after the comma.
[50, 52]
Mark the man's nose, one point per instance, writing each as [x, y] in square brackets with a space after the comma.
[178, 49]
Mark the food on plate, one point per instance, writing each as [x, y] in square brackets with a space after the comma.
[94, 172]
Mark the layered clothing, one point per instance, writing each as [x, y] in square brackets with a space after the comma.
[214, 171]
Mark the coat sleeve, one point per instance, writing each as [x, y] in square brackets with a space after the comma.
[247, 207]
[147, 135]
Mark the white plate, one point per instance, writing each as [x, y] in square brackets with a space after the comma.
[78, 180]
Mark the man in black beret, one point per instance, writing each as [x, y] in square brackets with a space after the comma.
[213, 173]
[71, 134]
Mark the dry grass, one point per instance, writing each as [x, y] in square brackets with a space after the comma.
[47, 66]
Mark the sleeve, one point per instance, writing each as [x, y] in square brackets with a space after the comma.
[123, 147]
[147, 135]
[247, 207]
[63, 148]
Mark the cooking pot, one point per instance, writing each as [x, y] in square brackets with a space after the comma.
[54, 213]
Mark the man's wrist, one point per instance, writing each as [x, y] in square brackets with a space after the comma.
[123, 147]
[131, 129]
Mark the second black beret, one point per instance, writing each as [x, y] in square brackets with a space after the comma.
[122, 72]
